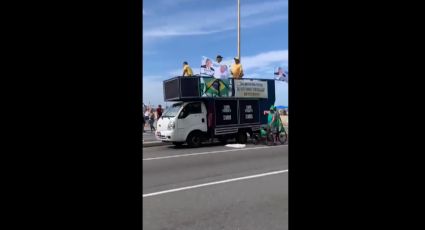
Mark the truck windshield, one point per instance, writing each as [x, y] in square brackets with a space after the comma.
[173, 110]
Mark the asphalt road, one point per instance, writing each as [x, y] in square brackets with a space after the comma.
[149, 136]
[215, 187]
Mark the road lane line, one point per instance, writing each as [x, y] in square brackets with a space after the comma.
[203, 153]
[214, 183]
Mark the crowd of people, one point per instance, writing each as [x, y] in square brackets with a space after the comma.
[150, 116]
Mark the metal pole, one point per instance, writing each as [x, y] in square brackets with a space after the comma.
[239, 30]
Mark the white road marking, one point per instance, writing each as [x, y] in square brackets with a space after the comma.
[214, 183]
[203, 153]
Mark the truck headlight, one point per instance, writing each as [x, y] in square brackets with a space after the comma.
[171, 125]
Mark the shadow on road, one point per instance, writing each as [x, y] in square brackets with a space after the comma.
[205, 144]
[185, 146]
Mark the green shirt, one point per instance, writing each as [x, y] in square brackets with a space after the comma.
[276, 119]
[270, 117]
[263, 133]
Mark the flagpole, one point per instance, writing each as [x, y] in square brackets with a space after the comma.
[239, 30]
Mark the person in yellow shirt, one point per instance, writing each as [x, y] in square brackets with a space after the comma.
[236, 70]
[187, 71]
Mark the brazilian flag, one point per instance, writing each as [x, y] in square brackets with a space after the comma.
[213, 87]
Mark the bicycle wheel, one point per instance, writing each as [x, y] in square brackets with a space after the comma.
[283, 136]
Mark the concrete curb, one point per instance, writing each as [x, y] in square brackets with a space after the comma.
[154, 143]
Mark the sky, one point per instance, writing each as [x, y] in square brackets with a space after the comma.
[185, 30]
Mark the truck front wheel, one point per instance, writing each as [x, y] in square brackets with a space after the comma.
[194, 139]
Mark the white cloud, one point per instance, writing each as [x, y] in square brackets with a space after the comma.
[180, 31]
[202, 23]
[263, 7]
[252, 75]
[254, 22]
[265, 59]
[170, 3]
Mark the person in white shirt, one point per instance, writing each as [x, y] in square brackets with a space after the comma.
[223, 69]
[147, 114]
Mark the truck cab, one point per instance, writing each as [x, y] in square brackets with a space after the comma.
[183, 122]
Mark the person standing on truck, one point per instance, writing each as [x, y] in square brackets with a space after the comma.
[219, 58]
[187, 71]
[236, 70]
[222, 72]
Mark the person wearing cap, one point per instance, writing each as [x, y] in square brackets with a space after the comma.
[236, 70]
[222, 68]
[219, 58]
[187, 71]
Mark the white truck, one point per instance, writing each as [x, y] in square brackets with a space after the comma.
[206, 108]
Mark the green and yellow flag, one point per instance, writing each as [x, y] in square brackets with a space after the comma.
[216, 87]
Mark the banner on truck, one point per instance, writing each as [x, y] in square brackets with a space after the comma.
[211, 68]
[226, 112]
[280, 75]
[249, 111]
[251, 88]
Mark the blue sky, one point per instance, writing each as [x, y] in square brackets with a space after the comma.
[185, 30]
